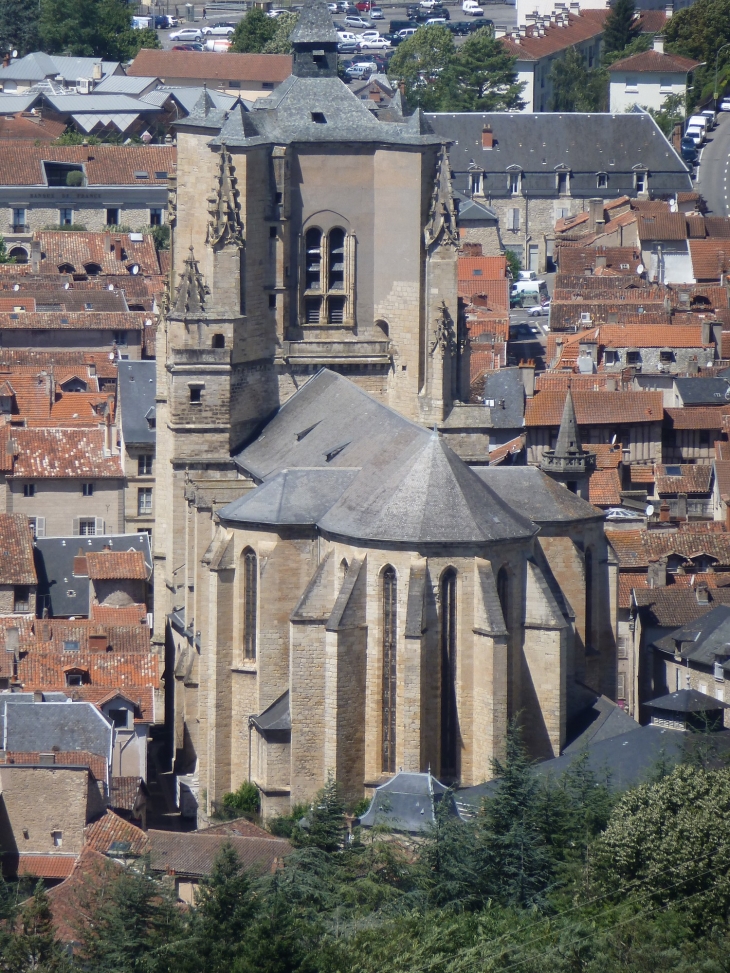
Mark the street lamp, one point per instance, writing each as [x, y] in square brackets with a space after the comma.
[716, 63]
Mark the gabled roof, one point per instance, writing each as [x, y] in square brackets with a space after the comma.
[21, 163]
[192, 854]
[39, 727]
[62, 453]
[601, 407]
[38, 66]
[203, 66]
[107, 565]
[576, 28]
[687, 701]
[407, 802]
[16, 551]
[704, 640]
[654, 62]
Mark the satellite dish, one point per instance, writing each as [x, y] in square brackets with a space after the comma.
[649, 510]
[727, 394]
[16, 287]
[640, 269]
[111, 356]
[134, 269]
[14, 54]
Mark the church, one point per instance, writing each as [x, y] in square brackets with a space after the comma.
[342, 582]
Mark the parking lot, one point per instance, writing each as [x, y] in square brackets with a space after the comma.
[501, 14]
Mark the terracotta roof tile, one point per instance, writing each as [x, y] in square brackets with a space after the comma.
[200, 66]
[80, 250]
[488, 268]
[16, 551]
[608, 456]
[604, 488]
[110, 565]
[490, 295]
[655, 61]
[710, 259]
[192, 854]
[21, 163]
[674, 606]
[642, 474]
[73, 758]
[693, 479]
[123, 792]
[35, 127]
[582, 27]
[722, 475]
[650, 336]
[560, 381]
[111, 615]
[74, 321]
[595, 408]
[239, 826]
[635, 548]
[62, 453]
[73, 899]
[100, 835]
[701, 296]
[38, 866]
[698, 417]
[512, 448]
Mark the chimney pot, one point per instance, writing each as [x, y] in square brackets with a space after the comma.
[658, 44]
[487, 137]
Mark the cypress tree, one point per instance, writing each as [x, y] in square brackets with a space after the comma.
[620, 28]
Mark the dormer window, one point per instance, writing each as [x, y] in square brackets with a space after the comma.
[513, 182]
[602, 180]
[475, 183]
[562, 182]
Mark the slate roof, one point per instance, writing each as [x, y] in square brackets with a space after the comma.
[506, 388]
[703, 391]
[293, 112]
[407, 803]
[687, 701]
[537, 495]
[314, 25]
[56, 568]
[38, 66]
[702, 640]
[586, 143]
[39, 727]
[602, 720]
[276, 717]
[192, 854]
[16, 551]
[204, 65]
[292, 497]
[621, 761]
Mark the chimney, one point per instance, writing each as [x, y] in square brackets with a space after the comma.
[664, 513]
[702, 593]
[35, 256]
[657, 573]
[589, 346]
[600, 260]
[595, 214]
[118, 249]
[80, 568]
[498, 32]
[45, 631]
[527, 372]
[659, 43]
[98, 641]
[706, 332]
[38, 696]
[487, 137]
[681, 506]
[611, 384]
[693, 368]
[669, 11]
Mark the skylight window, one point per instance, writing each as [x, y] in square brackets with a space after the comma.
[318, 117]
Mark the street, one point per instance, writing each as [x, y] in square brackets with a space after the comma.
[712, 178]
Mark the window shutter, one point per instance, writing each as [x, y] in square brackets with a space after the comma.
[514, 221]
[40, 527]
[77, 526]
[99, 525]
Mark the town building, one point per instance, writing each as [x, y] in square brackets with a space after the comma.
[18, 576]
[249, 76]
[649, 78]
[137, 395]
[79, 73]
[536, 169]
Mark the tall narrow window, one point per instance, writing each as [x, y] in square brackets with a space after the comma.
[313, 243]
[390, 595]
[503, 594]
[589, 599]
[248, 603]
[337, 259]
[449, 718]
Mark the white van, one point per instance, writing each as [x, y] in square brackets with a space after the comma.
[530, 293]
[700, 121]
[345, 36]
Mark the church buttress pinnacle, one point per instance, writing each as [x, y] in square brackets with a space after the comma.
[224, 208]
[191, 291]
[441, 229]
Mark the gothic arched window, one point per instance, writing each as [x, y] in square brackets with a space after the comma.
[390, 634]
[449, 718]
[249, 584]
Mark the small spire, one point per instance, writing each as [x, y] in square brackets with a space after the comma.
[441, 228]
[191, 292]
[568, 443]
[224, 208]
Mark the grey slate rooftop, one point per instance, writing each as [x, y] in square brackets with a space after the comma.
[32, 727]
[703, 391]
[539, 143]
[687, 701]
[704, 640]
[536, 495]
[506, 388]
[38, 65]
[407, 803]
[66, 593]
[137, 387]
[314, 25]
[276, 718]
[290, 498]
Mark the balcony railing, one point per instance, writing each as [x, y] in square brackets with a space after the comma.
[19, 228]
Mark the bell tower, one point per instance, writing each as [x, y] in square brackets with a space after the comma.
[569, 463]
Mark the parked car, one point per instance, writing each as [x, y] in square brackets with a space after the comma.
[725, 104]
[539, 309]
[435, 21]
[428, 4]
[362, 6]
[357, 22]
[360, 71]
[373, 44]
[164, 22]
[376, 14]
[688, 150]
[188, 47]
[219, 30]
[696, 134]
[276, 12]
[369, 35]
[710, 116]
[334, 8]
[186, 34]
[346, 35]
[473, 11]
[347, 47]
[407, 32]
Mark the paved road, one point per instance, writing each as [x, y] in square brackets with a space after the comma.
[713, 175]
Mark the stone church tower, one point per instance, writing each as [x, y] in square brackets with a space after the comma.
[335, 588]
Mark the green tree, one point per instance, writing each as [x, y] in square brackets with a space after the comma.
[514, 264]
[481, 77]
[280, 43]
[637, 46]
[673, 110]
[253, 33]
[92, 28]
[34, 946]
[325, 823]
[18, 26]
[5, 258]
[575, 86]
[420, 62]
[620, 28]
[245, 800]
[699, 33]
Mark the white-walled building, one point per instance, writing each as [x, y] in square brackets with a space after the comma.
[648, 79]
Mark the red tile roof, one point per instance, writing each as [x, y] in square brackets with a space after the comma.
[196, 65]
[595, 408]
[578, 28]
[23, 125]
[110, 565]
[238, 826]
[80, 250]
[655, 62]
[38, 866]
[72, 900]
[72, 758]
[74, 321]
[638, 336]
[604, 488]
[111, 615]
[608, 456]
[698, 417]
[21, 163]
[124, 791]
[61, 453]
[100, 835]
[482, 294]
[710, 259]
[192, 854]
[674, 606]
[693, 479]
[488, 268]
[512, 448]
[16, 551]
[635, 548]
[560, 381]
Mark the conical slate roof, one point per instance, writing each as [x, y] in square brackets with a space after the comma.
[314, 25]
[568, 443]
[427, 495]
